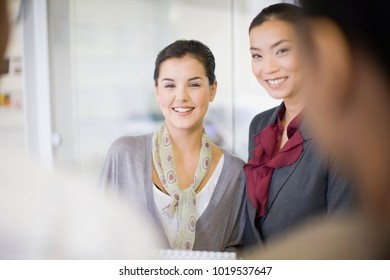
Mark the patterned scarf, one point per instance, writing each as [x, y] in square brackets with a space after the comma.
[183, 201]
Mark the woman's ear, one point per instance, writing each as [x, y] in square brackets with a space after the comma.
[213, 91]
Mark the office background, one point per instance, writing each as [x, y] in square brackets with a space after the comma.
[80, 74]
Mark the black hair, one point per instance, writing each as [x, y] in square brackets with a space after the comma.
[282, 11]
[366, 26]
[193, 48]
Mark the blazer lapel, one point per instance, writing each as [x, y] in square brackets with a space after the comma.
[281, 175]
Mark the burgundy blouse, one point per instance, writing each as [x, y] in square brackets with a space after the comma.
[267, 156]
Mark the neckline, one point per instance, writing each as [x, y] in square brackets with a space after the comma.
[217, 169]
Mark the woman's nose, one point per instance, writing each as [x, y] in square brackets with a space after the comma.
[182, 93]
[270, 65]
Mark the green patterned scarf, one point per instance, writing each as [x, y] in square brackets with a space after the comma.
[183, 201]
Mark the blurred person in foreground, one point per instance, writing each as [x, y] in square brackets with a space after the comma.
[348, 90]
[55, 215]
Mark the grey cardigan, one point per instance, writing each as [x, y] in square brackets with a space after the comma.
[308, 187]
[128, 171]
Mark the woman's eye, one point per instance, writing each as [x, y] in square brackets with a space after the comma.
[194, 85]
[256, 56]
[282, 51]
[169, 86]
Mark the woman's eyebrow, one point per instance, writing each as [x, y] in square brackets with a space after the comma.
[172, 80]
[254, 49]
[273, 45]
[168, 79]
[280, 42]
[195, 78]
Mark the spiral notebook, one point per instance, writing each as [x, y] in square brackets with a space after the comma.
[170, 254]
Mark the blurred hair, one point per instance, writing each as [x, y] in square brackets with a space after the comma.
[366, 26]
[282, 11]
[193, 48]
[4, 29]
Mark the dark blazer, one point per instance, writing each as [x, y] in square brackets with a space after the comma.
[308, 187]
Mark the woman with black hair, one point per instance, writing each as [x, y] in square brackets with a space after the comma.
[288, 180]
[348, 91]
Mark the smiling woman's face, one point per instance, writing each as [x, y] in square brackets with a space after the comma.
[274, 48]
[183, 92]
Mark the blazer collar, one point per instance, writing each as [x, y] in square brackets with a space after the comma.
[303, 128]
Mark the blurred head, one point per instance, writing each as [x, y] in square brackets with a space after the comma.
[185, 83]
[275, 46]
[348, 91]
[4, 28]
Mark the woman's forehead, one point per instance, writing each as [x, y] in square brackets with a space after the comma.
[181, 67]
[272, 31]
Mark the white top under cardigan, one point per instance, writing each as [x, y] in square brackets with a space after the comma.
[202, 198]
[127, 171]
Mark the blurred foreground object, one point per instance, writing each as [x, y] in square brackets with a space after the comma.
[4, 29]
[338, 238]
[53, 215]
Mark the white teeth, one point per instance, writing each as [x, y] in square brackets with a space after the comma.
[277, 81]
[182, 109]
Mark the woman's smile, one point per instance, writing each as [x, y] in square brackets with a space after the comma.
[183, 109]
[277, 81]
